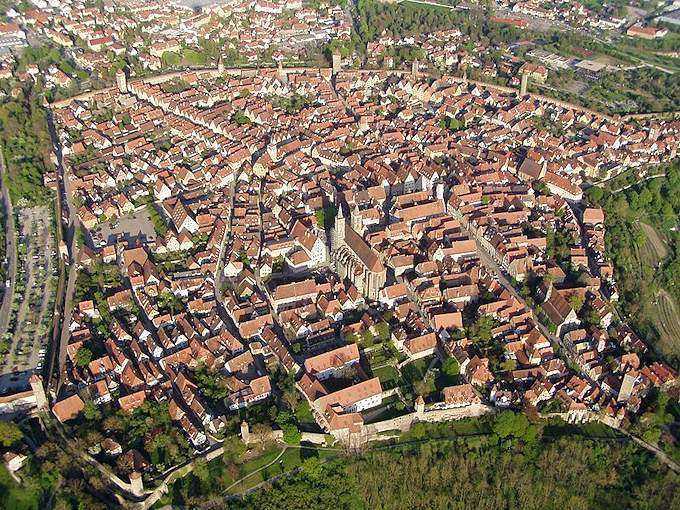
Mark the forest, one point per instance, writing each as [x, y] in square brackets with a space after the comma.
[26, 145]
[408, 19]
[507, 461]
[514, 467]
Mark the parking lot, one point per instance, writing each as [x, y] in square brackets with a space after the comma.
[33, 304]
[137, 225]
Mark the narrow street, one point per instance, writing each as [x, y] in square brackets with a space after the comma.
[68, 271]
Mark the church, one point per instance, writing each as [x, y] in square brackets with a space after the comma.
[356, 260]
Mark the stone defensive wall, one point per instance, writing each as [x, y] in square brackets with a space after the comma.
[250, 72]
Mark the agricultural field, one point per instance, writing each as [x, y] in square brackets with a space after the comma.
[663, 311]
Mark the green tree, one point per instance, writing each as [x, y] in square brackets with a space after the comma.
[83, 357]
[451, 367]
[510, 425]
[10, 433]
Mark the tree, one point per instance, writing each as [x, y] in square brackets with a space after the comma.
[510, 425]
[10, 433]
[212, 384]
[383, 330]
[451, 367]
[91, 411]
[263, 433]
[83, 357]
[234, 449]
[480, 330]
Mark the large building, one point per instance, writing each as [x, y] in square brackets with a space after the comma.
[356, 260]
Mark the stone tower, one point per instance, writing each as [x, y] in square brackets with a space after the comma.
[245, 432]
[337, 62]
[121, 81]
[220, 65]
[38, 391]
[415, 67]
[136, 483]
[420, 406]
[525, 84]
[339, 229]
[280, 71]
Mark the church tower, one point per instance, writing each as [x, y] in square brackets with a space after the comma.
[339, 229]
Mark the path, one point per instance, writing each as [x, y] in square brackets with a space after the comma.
[660, 454]
[283, 450]
[433, 4]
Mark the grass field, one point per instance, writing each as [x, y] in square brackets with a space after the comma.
[291, 459]
[389, 377]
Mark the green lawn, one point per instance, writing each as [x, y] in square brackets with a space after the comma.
[290, 460]
[415, 370]
[303, 414]
[596, 430]
[443, 380]
[389, 377]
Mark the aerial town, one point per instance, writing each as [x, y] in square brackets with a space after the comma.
[264, 240]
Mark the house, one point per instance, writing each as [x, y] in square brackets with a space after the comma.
[354, 399]
[14, 461]
[255, 391]
[560, 313]
[460, 396]
[647, 32]
[331, 363]
[420, 346]
[68, 408]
